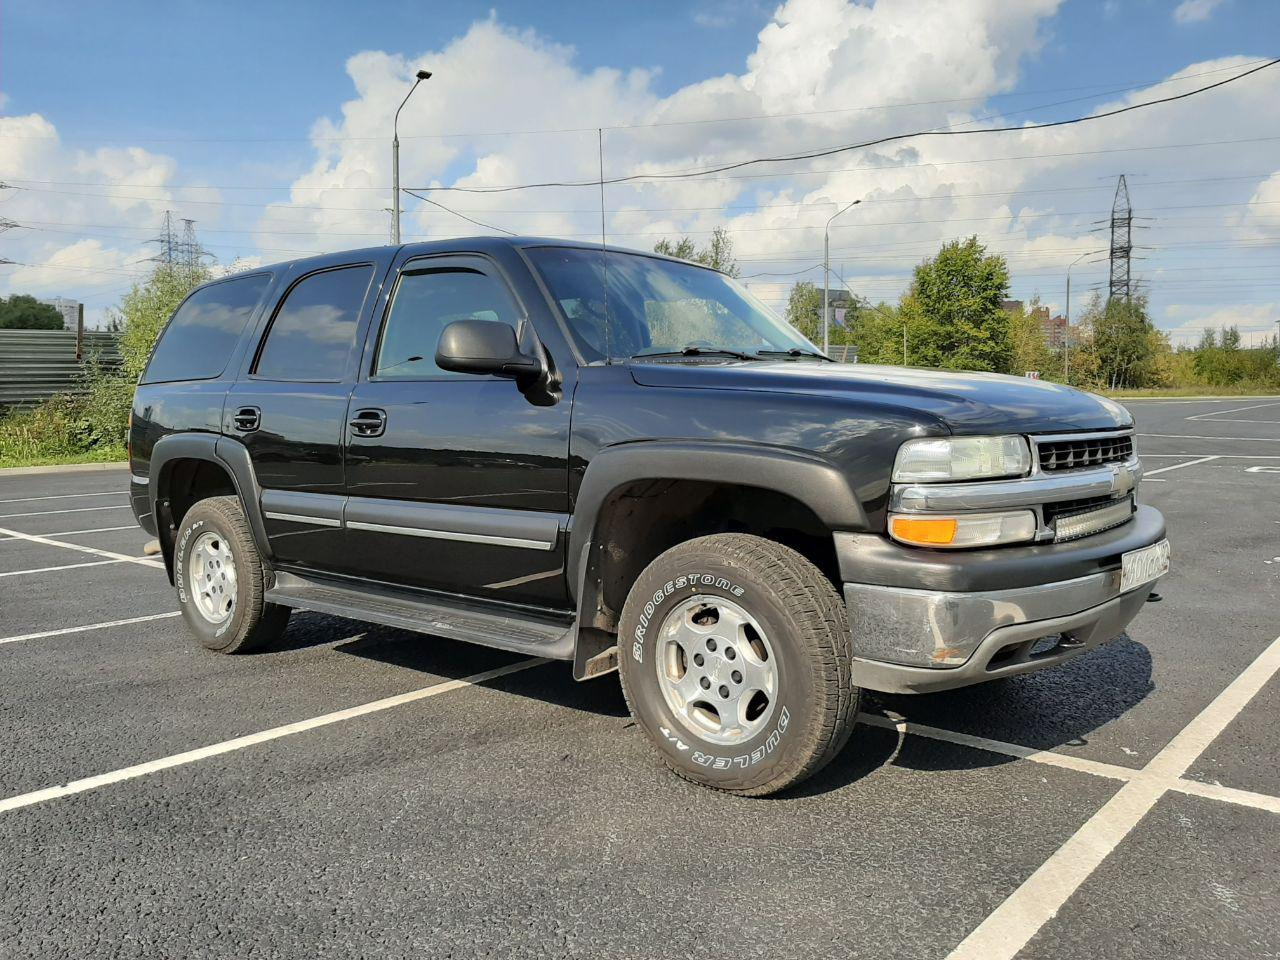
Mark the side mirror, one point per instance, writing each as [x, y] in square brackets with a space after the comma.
[484, 346]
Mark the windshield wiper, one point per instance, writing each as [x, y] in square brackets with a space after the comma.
[794, 352]
[696, 351]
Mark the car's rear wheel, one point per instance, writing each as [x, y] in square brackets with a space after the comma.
[220, 579]
[734, 654]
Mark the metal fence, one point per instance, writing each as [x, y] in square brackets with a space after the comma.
[36, 364]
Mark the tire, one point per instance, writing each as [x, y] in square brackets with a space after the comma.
[738, 603]
[220, 579]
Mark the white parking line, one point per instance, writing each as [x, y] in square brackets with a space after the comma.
[1179, 466]
[108, 554]
[275, 733]
[1216, 414]
[1215, 791]
[89, 626]
[1011, 925]
[1188, 436]
[64, 496]
[50, 513]
[1220, 456]
[72, 533]
[65, 566]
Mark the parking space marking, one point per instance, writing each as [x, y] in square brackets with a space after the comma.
[1219, 415]
[1187, 436]
[64, 496]
[275, 733]
[1012, 924]
[108, 554]
[1216, 791]
[88, 626]
[50, 513]
[72, 533]
[65, 566]
[1047, 757]
[1179, 466]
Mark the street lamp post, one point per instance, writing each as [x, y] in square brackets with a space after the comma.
[826, 277]
[1066, 337]
[395, 156]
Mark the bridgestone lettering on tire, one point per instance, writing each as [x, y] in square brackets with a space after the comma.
[734, 655]
[220, 580]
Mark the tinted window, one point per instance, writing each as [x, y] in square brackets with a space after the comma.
[314, 328]
[626, 305]
[199, 340]
[425, 303]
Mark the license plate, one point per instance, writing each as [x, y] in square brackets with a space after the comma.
[1142, 566]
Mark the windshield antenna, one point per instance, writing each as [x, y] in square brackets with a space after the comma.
[604, 250]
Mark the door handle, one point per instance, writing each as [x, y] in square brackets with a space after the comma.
[369, 423]
[247, 419]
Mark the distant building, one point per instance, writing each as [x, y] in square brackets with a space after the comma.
[1055, 330]
[1010, 306]
[70, 310]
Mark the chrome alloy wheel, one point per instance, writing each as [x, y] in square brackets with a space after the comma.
[716, 669]
[211, 577]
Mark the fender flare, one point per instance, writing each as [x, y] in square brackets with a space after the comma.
[226, 453]
[815, 482]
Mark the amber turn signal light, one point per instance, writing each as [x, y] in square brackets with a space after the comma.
[925, 531]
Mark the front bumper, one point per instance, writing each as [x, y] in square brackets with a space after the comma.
[953, 619]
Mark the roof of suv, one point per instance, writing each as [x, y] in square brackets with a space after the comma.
[478, 244]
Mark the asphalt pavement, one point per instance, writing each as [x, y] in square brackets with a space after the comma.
[365, 792]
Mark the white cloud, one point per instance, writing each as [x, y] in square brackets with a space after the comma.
[1194, 11]
[1253, 320]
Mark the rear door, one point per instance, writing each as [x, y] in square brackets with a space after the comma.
[290, 409]
[458, 482]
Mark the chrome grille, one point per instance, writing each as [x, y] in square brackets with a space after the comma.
[1076, 453]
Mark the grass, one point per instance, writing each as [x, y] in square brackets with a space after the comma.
[103, 454]
[1240, 391]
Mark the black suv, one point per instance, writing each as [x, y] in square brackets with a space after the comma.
[624, 461]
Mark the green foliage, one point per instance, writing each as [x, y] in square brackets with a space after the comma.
[146, 309]
[92, 425]
[1126, 343]
[24, 312]
[717, 254]
[804, 310]
[1031, 350]
[952, 311]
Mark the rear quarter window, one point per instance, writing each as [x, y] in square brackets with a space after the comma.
[198, 342]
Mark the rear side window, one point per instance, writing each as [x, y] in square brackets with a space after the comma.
[425, 303]
[312, 333]
[199, 340]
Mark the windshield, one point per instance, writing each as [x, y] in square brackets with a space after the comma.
[656, 306]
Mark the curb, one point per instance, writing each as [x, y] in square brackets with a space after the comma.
[64, 468]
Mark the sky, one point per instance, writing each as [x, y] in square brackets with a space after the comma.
[268, 124]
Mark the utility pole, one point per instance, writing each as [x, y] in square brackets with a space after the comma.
[168, 241]
[1121, 243]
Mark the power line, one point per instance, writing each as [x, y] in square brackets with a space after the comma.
[831, 151]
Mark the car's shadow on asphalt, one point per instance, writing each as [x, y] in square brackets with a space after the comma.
[1058, 707]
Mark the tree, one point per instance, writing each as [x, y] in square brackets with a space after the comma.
[24, 312]
[1126, 343]
[717, 254]
[952, 310]
[804, 310]
[1031, 349]
[146, 309]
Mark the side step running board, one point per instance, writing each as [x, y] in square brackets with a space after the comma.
[550, 638]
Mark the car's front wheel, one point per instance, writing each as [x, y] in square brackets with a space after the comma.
[220, 579]
[734, 654]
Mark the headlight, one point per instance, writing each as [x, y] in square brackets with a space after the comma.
[935, 459]
[963, 530]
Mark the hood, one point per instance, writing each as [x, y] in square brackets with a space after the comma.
[963, 402]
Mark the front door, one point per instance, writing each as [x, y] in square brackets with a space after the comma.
[457, 482]
[290, 411]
